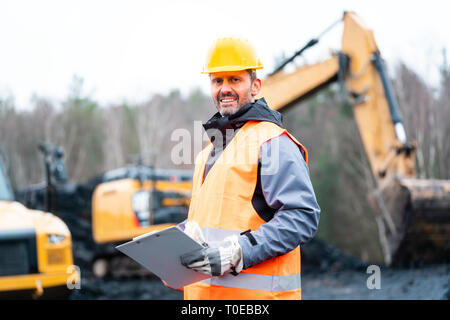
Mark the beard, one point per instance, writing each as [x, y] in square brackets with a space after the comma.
[228, 111]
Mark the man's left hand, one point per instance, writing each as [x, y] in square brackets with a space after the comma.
[216, 261]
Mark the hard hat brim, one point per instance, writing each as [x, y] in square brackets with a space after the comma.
[230, 68]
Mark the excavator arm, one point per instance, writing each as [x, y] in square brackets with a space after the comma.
[283, 90]
[415, 213]
[359, 64]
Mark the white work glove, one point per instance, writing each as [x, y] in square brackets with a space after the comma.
[217, 261]
[192, 229]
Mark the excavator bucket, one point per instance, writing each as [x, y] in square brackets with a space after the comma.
[416, 216]
[427, 235]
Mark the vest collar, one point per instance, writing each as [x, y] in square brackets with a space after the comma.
[256, 111]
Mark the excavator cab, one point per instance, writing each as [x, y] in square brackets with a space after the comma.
[35, 251]
[414, 213]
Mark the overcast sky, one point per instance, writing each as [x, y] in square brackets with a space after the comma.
[129, 50]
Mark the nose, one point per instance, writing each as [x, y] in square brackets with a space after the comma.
[226, 88]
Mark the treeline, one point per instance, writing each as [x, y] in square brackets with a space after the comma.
[95, 138]
[98, 138]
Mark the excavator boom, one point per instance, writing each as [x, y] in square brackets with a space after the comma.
[415, 212]
[281, 92]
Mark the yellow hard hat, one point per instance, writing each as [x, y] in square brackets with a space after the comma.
[231, 54]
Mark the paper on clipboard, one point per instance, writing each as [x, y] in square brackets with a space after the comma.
[160, 253]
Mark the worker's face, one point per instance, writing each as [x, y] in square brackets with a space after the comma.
[231, 90]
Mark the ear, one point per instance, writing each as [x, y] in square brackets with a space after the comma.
[256, 87]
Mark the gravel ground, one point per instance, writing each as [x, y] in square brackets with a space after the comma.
[130, 289]
[426, 283]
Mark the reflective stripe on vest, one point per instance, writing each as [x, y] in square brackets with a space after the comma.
[221, 205]
[257, 282]
[244, 280]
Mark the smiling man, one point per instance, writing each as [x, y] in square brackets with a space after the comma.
[252, 202]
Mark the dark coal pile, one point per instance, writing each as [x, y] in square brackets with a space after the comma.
[319, 257]
[425, 283]
[124, 289]
[327, 274]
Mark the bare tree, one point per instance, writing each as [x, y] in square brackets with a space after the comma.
[113, 152]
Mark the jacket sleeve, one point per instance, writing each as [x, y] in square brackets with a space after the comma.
[287, 188]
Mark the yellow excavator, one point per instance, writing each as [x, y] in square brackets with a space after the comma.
[110, 209]
[35, 251]
[415, 213]
[131, 205]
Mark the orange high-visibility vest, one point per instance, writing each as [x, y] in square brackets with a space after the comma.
[222, 206]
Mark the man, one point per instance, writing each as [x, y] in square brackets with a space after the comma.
[252, 200]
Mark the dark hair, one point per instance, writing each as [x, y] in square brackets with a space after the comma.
[252, 73]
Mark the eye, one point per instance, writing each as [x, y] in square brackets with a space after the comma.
[235, 79]
[217, 81]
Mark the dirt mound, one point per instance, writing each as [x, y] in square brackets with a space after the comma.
[319, 257]
[130, 289]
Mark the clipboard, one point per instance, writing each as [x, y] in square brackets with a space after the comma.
[160, 253]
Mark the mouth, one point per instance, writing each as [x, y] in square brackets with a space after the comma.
[227, 100]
